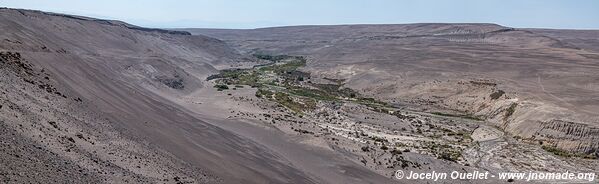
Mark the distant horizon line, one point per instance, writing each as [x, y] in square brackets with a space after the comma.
[375, 24]
[282, 26]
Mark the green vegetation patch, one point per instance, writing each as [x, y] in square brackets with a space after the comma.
[237, 77]
[312, 93]
[282, 82]
[510, 110]
[450, 155]
[221, 87]
[564, 153]
[295, 104]
[261, 93]
[374, 103]
[272, 58]
[497, 94]
[286, 67]
[465, 116]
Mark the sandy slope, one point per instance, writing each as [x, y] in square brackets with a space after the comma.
[115, 112]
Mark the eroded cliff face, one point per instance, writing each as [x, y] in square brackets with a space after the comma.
[526, 118]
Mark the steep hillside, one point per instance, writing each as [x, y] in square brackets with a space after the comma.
[86, 100]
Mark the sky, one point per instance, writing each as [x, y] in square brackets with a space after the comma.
[244, 14]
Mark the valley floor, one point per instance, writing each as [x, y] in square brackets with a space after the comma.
[339, 141]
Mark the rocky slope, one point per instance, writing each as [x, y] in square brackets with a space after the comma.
[86, 101]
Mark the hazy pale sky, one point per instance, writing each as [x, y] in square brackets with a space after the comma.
[571, 14]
